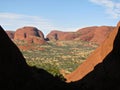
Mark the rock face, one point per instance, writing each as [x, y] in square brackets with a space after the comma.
[94, 34]
[102, 63]
[59, 35]
[30, 35]
[10, 34]
[91, 34]
[33, 35]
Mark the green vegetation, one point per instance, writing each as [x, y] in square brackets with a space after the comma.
[59, 55]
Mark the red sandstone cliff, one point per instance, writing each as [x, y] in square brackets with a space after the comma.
[96, 57]
[60, 35]
[29, 35]
[95, 34]
[91, 34]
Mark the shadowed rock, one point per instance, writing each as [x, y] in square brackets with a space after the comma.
[10, 34]
[96, 57]
[101, 71]
[15, 74]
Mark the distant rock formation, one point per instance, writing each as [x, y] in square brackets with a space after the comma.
[91, 34]
[99, 72]
[33, 35]
[15, 74]
[94, 34]
[30, 35]
[59, 35]
[10, 34]
[101, 55]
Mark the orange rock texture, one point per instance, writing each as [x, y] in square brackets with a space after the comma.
[94, 34]
[91, 34]
[59, 35]
[96, 57]
[30, 35]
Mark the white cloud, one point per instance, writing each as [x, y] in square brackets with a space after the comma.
[14, 21]
[112, 7]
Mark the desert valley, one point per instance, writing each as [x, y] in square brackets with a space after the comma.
[59, 52]
[87, 59]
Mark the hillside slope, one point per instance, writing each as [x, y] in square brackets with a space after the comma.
[96, 57]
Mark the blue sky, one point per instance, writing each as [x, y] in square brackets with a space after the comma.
[64, 15]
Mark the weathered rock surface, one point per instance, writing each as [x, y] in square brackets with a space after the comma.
[105, 59]
[91, 34]
[94, 34]
[59, 35]
[30, 35]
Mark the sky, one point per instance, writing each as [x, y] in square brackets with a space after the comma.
[63, 15]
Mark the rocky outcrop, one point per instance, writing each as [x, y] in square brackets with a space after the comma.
[59, 35]
[33, 35]
[101, 55]
[94, 34]
[99, 72]
[10, 34]
[91, 34]
[29, 35]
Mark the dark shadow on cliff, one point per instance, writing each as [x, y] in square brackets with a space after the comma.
[16, 74]
[106, 75]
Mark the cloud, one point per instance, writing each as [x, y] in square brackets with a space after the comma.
[14, 21]
[112, 7]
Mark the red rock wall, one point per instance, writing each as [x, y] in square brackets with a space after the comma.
[96, 57]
